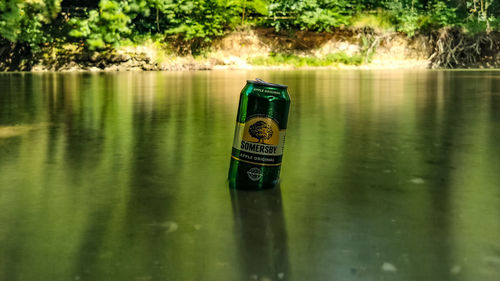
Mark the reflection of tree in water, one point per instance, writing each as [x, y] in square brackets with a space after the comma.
[140, 199]
[261, 131]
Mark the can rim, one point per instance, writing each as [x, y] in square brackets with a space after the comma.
[261, 82]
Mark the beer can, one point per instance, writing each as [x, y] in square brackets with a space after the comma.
[259, 136]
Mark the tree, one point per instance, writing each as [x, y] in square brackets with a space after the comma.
[104, 27]
[261, 131]
[24, 21]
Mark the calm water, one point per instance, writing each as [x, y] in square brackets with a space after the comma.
[387, 175]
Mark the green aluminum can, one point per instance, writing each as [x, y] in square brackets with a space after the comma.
[259, 136]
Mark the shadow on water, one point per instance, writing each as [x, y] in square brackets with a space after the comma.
[260, 232]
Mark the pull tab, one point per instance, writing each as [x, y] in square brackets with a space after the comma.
[260, 80]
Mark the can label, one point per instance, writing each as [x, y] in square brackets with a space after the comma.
[259, 141]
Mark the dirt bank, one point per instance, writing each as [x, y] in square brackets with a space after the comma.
[448, 48]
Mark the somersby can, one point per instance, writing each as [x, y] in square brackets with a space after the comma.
[259, 136]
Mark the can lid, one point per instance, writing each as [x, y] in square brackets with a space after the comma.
[261, 82]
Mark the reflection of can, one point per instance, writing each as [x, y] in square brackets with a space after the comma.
[261, 235]
[259, 137]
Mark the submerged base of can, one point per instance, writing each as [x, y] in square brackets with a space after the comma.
[252, 177]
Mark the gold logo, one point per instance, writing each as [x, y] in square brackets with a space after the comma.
[262, 130]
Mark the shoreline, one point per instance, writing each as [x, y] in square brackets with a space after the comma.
[387, 65]
[409, 66]
[266, 49]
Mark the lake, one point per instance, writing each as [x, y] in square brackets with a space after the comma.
[387, 175]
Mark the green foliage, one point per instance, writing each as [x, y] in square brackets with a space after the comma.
[189, 19]
[105, 27]
[375, 19]
[482, 15]
[203, 19]
[108, 23]
[25, 21]
[411, 16]
[367, 48]
[441, 14]
[405, 17]
[315, 15]
[297, 61]
[257, 7]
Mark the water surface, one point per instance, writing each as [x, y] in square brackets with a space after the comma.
[387, 175]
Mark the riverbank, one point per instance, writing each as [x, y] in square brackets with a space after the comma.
[361, 48]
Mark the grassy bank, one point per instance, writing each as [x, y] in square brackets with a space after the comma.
[333, 59]
[245, 48]
[265, 48]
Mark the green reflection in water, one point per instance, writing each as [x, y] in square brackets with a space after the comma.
[122, 176]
